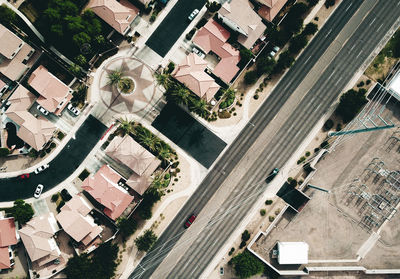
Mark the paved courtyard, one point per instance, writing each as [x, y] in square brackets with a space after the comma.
[141, 102]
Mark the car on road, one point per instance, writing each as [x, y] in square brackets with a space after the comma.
[190, 221]
[42, 110]
[73, 109]
[193, 14]
[38, 191]
[41, 168]
[272, 175]
[24, 176]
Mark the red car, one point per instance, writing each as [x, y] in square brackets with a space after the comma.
[190, 221]
[24, 176]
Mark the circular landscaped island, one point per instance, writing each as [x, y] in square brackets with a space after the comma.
[126, 85]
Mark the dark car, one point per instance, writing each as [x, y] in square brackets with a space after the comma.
[272, 175]
[190, 221]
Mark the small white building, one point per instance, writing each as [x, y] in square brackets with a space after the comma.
[292, 252]
[394, 86]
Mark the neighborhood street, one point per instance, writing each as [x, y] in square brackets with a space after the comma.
[275, 132]
[61, 167]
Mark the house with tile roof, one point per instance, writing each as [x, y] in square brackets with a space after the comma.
[54, 94]
[270, 8]
[212, 37]
[34, 131]
[240, 17]
[119, 15]
[8, 238]
[38, 238]
[103, 187]
[75, 220]
[128, 152]
[14, 54]
[191, 73]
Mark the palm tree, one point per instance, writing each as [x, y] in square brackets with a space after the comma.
[115, 76]
[163, 80]
[181, 95]
[229, 93]
[199, 106]
[164, 152]
[126, 126]
[148, 139]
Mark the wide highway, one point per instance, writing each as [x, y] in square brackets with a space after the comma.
[273, 134]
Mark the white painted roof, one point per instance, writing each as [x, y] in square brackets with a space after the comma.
[394, 86]
[292, 253]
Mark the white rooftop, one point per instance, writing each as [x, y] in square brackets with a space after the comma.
[292, 252]
[394, 86]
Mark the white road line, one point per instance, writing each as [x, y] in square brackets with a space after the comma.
[372, 21]
[380, 26]
[336, 83]
[359, 53]
[331, 74]
[328, 33]
[307, 59]
[348, 7]
[398, 3]
[352, 47]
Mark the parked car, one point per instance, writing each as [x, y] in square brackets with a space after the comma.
[272, 175]
[73, 109]
[42, 110]
[41, 168]
[190, 221]
[198, 52]
[272, 53]
[193, 14]
[24, 176]
[275, 48]
[38, 191]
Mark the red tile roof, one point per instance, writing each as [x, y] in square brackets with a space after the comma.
[104, 189]
[270, 12]
[8, 237]
[213, 37]
[191, 73]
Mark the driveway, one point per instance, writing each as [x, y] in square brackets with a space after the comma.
[189, 134]
[66, 162]
[171, 28]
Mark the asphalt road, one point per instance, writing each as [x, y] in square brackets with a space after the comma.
[61, 167]
[171, 28]
[278, 147]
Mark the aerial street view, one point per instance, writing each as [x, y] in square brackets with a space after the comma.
[188, 139]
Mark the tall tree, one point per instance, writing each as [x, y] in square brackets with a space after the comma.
[247, 265]
[146, 241]
[22, 211]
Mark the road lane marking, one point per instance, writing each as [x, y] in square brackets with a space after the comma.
[372, 21]
[340, 78]
[348, 7]
[328, 33]
[307, 59]
[352, 47]
[380, 26]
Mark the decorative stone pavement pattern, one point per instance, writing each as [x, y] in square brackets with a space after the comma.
[145, 87]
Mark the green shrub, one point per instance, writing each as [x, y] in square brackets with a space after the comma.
[242, 244]
[262, 212]
[324, 144]
[250, 77]
[368, 81]
[231, 251]
[245, 235]
[271, 218]
[328, 125]
[268, 202]
[308, 153]
[54, 197]
[4, 152]
[329, 3]
[338, 127]
[61, 204]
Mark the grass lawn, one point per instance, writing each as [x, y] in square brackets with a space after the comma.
[29, 11]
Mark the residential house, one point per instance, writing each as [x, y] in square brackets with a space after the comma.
[34, 131]
[3, 87]
[270, 8]
[191, 72]
[128, 152]
[104, 188]
[8, 238]
[240, 17]
[119, 15]
[14, 54]
[75, 220]
[54, 94]
[212, 37]
[145, 2]
[38, 238]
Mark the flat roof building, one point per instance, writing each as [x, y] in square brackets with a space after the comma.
[292, 252]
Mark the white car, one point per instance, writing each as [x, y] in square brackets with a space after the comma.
[38, 191]
[198, 52]
[41, 168]
[42, 110]
[193, 14]
[73, 109]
